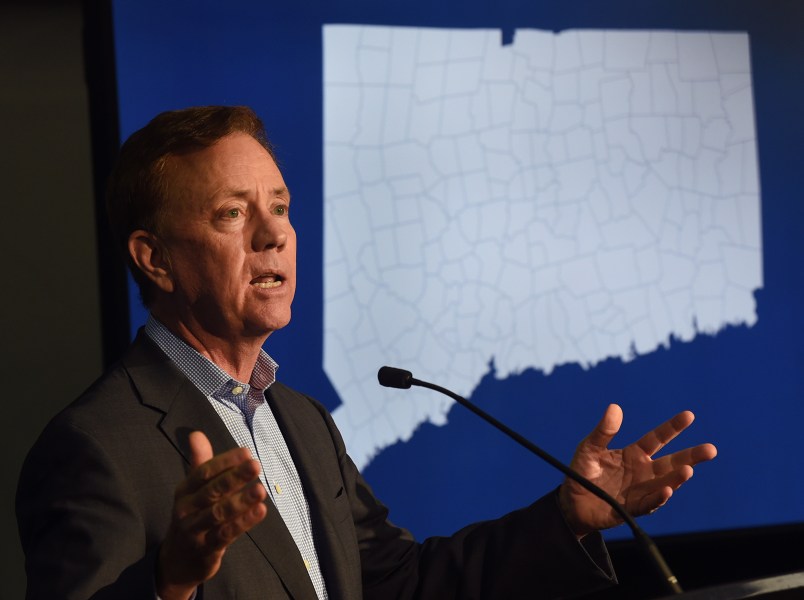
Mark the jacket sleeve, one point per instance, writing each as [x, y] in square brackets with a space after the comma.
[80, 529]
[525, 554]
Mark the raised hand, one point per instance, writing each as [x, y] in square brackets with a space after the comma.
[631, 475]
[221, 498]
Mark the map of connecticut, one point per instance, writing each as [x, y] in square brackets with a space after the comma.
[564, 198]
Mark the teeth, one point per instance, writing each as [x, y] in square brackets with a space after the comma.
[267, 284]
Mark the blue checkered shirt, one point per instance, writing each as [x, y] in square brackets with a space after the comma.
[247, 415]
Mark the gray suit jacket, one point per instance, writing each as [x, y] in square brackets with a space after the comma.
[95, 496]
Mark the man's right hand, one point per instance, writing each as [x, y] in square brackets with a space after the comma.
[220, 498]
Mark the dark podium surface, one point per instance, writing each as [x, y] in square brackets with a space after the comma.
[758, 563]
[781, 587]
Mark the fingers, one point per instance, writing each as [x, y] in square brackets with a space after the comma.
[686, 457]
[200, 448]
[222, 494]
[236, 463]
[658, 438]
[221, 522]
[651, 502]
[244, 512]
[702, 453]
[607, 428]
[221, 498]
[650, 495]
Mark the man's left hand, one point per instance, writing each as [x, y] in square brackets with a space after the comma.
[637, 481]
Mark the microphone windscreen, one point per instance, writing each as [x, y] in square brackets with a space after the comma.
[395, 378]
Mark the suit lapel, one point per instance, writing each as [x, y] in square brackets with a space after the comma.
[310, 445]
[162, 386]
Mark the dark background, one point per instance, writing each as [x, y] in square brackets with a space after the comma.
[50, 320]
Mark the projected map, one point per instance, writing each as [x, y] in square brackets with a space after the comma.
[563, 198]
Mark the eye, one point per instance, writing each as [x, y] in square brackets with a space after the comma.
[232, 213]
[281, 210]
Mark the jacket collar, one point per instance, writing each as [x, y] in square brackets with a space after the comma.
[162, 386]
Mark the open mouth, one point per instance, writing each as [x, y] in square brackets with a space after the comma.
[266, 282]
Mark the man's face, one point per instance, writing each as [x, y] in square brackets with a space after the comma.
[229, 241]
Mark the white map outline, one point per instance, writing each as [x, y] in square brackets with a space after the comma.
[567, 198]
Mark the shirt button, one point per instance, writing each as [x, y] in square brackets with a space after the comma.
[237, 390]
[307, 564]
[278, 488]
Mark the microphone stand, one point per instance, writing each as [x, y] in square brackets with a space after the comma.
[399, 378]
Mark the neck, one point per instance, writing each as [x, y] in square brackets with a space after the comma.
[236, 356]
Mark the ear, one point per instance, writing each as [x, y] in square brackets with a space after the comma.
[151, 258]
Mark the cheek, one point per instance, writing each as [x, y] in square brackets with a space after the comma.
[291, 253]
[203, 273]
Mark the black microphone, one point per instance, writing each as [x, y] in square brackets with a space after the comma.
[402, 379]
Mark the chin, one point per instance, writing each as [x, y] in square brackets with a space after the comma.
[272, 323]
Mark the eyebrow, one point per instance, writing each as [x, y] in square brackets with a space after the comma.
[239, 193]
[282, 191]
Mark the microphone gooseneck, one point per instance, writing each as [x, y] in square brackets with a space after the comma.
[402, 379]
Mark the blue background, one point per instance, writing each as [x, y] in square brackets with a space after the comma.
[746, 385]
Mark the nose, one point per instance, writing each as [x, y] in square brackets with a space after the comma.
[272, 231]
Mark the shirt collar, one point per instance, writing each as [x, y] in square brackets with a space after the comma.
[208, 377]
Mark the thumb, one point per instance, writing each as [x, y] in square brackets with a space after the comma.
[200, 448]
[607, 428]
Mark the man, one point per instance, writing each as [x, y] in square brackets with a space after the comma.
[189, 471]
